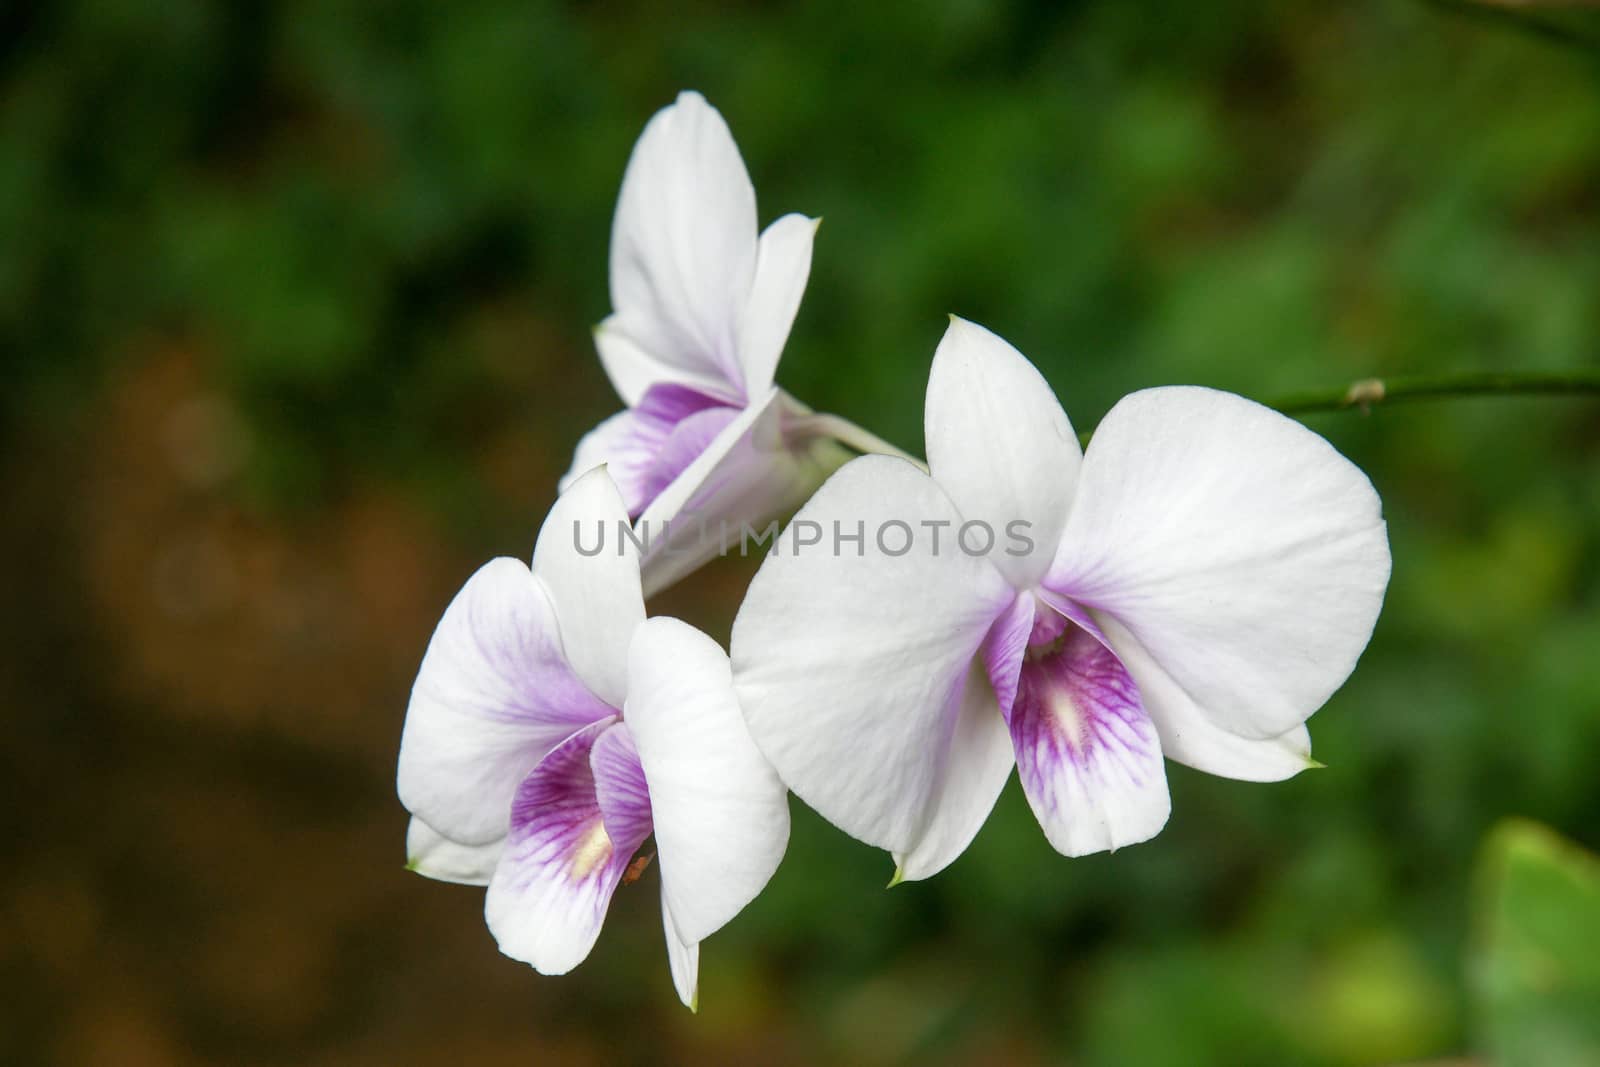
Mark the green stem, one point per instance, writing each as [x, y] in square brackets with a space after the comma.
[1364, 394]
[848, 434]
[1370, 392]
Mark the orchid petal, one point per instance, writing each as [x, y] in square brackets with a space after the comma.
[683, 957]
[688, 441]
[1245, 555]
[1190, 737]
[431, 854]
[683, 242]
[721, 814]
[633, 370]
[1087, 754]
[745, 477]
[1000, 445]
[975, 771]
[549, 895]
[619, 786]
[621, 444]
[783, 263]
[1004, 647]
[846, 664]
[494, 694]
[596, 594]
[646, 447]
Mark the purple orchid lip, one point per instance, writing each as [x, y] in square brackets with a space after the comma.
[558, 825]
[1049, 626]
[1074, 697]
[682, 424]
[652, 443]
[620, 788]
[1087, 752]
[576, 821]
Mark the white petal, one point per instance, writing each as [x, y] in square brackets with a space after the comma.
[1000, 445]
[721, 814]
[980, 761]
[633, 370]
[591, 572]
[1246, 555]
[1087, 753]
[683, 958]
[846, 664]
[433, 855]
[745, 478]
[614, 444]
[493, 695]
[1190, 737]
[683, 243]
[549, 895]
[783, 263]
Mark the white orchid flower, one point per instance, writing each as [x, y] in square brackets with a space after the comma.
[1193, 587]
[702, 308]
[553, 728]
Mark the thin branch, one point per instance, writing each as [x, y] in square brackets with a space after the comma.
[848, 434]
[1370, 392]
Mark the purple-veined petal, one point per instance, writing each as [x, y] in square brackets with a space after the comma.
[1245, 555]
[1000, 445]
[683, 243]
[846, 664]
[783, 263]
[746, 477]
[686, 443]
[1087, 754]
[494, 694]
[1003, 648]
[721, 814]
[1186, 734]
[646, 447]
[682, 957]
[976, 768]
[431, 854]
[1191, 737]
[619, 785]
[591, 572]
[549, 895]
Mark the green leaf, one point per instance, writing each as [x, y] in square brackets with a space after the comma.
[1536, 963]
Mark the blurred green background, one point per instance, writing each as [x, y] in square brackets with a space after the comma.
[294, 312]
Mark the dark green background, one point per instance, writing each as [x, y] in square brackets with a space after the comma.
[294, 311]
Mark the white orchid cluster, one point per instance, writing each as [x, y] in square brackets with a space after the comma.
[1192, 587]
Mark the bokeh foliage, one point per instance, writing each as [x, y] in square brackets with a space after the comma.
[381, 230]
[1537, 961]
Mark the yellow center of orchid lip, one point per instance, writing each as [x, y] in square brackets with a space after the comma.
[593, 849]
[1069, 718]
